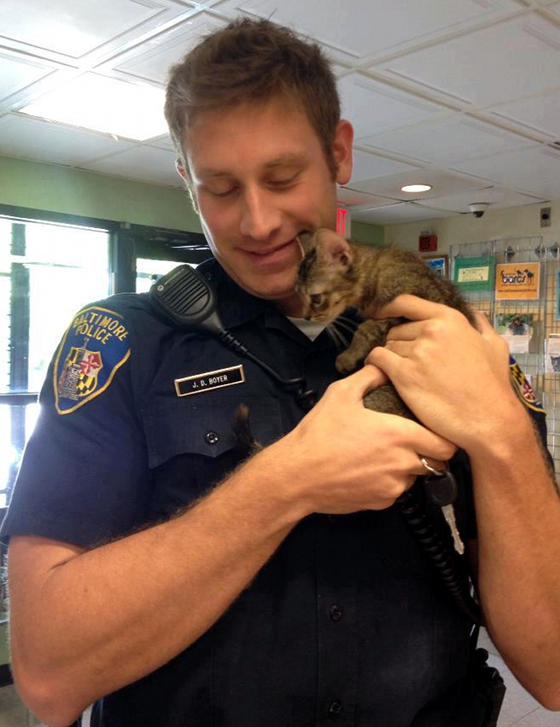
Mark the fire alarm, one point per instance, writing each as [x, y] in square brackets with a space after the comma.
[427, 242]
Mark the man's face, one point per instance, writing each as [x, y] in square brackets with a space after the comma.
[259, 178]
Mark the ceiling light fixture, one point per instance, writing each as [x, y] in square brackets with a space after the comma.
[413, 188]
[124, 110]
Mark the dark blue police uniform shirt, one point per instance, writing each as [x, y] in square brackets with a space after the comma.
[345, 624]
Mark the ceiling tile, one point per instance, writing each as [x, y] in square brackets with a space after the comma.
[18, 72]
[498, 63]
[372, 166]
[28, 138]
[442, 182]
[351, 198]
[142, 163]
[341, 25]
[162, 142]
[497, 197]
[373, 107]
[446, 141]
[531, 170]
[152, 59]
[402, 212]
[538, 113]
[73, 28]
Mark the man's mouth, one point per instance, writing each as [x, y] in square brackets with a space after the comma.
[272, 255]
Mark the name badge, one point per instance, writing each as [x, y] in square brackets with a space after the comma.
[199, 383]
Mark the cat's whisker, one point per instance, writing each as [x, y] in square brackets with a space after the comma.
[339, 340]
[345, 325]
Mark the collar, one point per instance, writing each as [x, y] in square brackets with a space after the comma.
[236, 307]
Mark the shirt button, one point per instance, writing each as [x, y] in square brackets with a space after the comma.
[211, 438]
[335, 612]
[335, 709]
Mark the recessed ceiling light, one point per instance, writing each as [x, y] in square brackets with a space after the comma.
[104, 104]
[416, 188]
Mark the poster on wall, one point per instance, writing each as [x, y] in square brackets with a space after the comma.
[552, 354]
[516, 329]
[558, 295]
[474, 273]
[517, 281]
[438, 263]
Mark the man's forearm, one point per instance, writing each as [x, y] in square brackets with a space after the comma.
[518, 514]
[109, 616]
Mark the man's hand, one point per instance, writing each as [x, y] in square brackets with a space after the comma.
[342, 457]
[453, 376]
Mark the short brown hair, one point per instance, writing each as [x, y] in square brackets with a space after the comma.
[253, 60]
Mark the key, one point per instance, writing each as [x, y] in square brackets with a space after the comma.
[441, 488]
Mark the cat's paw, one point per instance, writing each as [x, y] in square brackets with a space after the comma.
[346, 362]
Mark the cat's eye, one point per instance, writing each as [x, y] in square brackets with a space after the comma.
[316, 298]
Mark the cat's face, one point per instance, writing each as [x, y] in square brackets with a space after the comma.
[326, 280]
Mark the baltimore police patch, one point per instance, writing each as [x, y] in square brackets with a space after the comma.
[94, 347]
[522, 387]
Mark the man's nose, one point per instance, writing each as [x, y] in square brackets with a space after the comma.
[259, 216]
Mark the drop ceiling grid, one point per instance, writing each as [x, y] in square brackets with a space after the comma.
[378, 106]
[140, 162]
[497, 64]
[73, 31]
[341, 26]
[429, 109]
[25, 137]
[372, 166]
[151, 61]
[448, 141]
[535, 170]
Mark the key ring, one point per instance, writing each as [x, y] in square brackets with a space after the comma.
[431, 470]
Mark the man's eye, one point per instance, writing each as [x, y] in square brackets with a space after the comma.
[221, 192]
[281, 182]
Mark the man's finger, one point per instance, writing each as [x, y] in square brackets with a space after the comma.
[482, 322]
[380, 357]
[411, 307]
[365, 379]
[405, 331]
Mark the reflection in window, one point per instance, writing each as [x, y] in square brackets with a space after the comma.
[148, 271]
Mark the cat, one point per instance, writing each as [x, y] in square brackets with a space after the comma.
[336, 273]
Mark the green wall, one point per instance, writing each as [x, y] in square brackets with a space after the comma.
[72, 191]
[372, 234]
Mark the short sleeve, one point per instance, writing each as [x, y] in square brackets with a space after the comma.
[84, 477]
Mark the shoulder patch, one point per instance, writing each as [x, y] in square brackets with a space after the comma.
[523, 388]
[92, 349]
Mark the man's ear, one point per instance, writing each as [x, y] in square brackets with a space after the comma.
[342, 150]
[181, 169]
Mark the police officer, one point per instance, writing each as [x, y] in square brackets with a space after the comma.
[155, 574]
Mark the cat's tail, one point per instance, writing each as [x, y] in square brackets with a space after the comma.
[246, 442]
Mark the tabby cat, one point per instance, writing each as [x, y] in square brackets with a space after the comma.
[336, 273]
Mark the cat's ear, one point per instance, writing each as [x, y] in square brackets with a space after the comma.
[337, 248]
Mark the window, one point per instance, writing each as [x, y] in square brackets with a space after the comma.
[51, 265]
[148, 271]
[47, 272]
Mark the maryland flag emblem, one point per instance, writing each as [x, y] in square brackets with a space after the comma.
[92, 349]
[523, 388]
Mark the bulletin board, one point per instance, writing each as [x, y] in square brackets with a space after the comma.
[523, 304]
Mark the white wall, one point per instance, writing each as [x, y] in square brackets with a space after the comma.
[511, 222]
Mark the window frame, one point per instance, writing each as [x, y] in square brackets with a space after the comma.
[127, 242]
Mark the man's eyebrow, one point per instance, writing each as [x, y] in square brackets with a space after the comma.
[284, 160]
